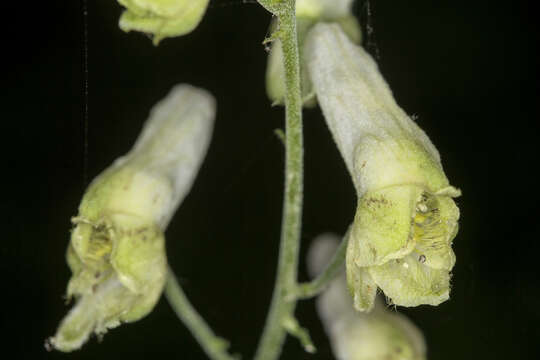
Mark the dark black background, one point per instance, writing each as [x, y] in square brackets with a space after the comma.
[467, 69]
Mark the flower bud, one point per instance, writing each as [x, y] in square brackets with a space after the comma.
[117, 248]
[380, 334]
[323, 9]
[406, 219]
[308, 13]
[162, 18]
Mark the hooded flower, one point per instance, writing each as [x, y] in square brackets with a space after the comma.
[162, 18]
[308, 13]
[380, 334]
[406, 219]
[117, 248]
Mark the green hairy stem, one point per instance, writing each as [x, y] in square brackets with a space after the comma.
[215, 347]
[282, 308]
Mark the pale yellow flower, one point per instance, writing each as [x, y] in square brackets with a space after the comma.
[406, 219]
[117, 248]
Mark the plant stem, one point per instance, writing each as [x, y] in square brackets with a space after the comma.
[281, 308]
[215, 347]
[332, 269]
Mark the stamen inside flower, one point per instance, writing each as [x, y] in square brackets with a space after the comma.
[100, 244]
[95, 239]
[431, 234]
[426, 220]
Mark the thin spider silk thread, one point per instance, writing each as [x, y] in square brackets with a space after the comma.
[85, 89]
[226, 3]
[371, 44]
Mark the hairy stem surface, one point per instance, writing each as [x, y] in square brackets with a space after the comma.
[332, 269]
[215, 347]
[282, 308]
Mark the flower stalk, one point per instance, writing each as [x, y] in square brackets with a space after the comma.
[214, 346]
[323, 279]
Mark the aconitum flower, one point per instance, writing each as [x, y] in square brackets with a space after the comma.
[162, 18]
[117, 248]
[377, 335]
[406, 219]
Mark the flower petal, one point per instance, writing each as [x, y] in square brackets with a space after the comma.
[408, 282]
[382, 225]
[362, 287]
[379, 142]
[139, 256]
[94, 312]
